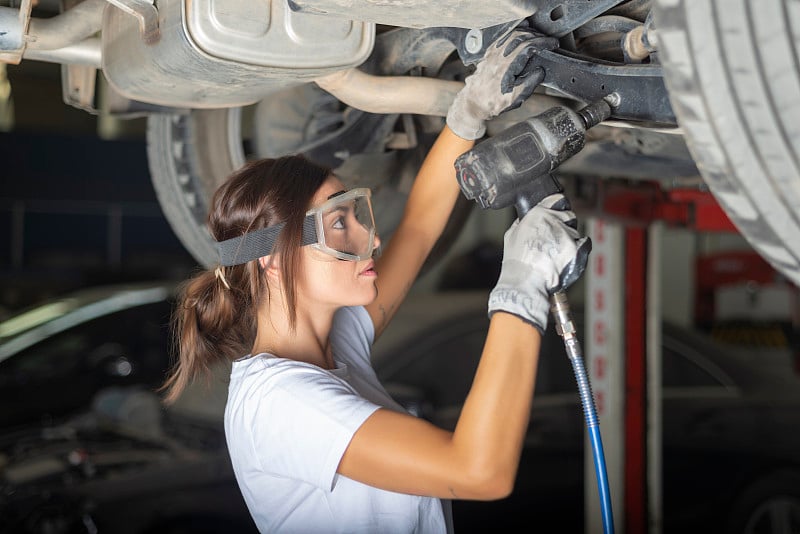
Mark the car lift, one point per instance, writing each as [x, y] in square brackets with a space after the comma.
[623, 317]
[739, 267]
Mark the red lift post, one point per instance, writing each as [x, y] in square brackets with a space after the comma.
[634, 210]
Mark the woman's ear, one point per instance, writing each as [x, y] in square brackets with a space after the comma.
[270, 265]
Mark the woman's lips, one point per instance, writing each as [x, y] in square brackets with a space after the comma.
[370, 270]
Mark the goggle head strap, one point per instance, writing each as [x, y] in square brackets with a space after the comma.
[258, 243]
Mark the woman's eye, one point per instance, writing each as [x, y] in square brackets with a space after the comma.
[339, 223]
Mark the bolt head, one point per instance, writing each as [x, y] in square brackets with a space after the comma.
[473, 42]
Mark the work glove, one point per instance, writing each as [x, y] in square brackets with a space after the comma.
[542, 253]
[502, 81]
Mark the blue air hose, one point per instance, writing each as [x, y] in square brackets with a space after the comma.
[566, 329]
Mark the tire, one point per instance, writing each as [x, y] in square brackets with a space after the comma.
[733, 76]
[770, 505]
[190, 154]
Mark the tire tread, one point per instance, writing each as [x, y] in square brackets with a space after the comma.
[740, 129]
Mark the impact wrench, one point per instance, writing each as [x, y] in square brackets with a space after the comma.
[514, 167]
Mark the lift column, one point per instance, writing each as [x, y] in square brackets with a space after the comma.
[605, 366]
[623, 342]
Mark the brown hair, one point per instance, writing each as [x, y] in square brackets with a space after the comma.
[213, 322]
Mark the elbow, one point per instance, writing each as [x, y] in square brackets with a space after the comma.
[499, 488]
[485, 472]
[488, 484]
[505, 490]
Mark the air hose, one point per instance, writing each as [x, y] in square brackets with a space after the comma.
[566, 329]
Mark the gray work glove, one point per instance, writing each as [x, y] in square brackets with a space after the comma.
[502, 81]
[542, 253]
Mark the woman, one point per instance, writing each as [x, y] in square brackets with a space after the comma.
[317, 444]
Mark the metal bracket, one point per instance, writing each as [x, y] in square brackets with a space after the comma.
[640, 87]
[78, 84]
[559, 17]
[471, 44]
[552, 17]
[147, 14]
[642, 93]
[12, 33]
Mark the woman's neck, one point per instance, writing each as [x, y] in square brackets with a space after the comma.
[309, 342]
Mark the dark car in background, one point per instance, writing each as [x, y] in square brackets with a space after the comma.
[105, 455]
[85, 442]
[54, 357]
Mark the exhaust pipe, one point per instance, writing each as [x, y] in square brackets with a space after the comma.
[391, 94]
[68, 28]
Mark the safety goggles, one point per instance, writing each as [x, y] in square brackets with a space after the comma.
[343, 227]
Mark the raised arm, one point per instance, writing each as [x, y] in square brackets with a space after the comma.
[501, 81]
[427, 210]
[479, 459]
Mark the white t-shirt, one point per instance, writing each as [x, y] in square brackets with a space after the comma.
[288, 423]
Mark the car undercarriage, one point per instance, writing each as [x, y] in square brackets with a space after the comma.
[708, 93]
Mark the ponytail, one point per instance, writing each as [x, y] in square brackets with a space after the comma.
[212, 324]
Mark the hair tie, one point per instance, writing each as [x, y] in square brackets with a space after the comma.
[221, 276]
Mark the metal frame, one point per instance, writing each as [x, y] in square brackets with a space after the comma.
[642, 212]
[648, 202]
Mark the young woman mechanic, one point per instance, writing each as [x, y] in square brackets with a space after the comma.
[317, 444]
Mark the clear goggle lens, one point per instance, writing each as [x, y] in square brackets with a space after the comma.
[345, 225]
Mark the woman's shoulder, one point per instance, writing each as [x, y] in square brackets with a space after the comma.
[279, 384]
[266, 366]
[352, 336]
[267, 372]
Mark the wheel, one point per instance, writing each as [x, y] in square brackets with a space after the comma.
[191, 154]
[183, 177]
[733, 78]
[769, 506]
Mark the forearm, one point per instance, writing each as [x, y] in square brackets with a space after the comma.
[479, 460]
[435, 189]
[427, 210]
[496, 413]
